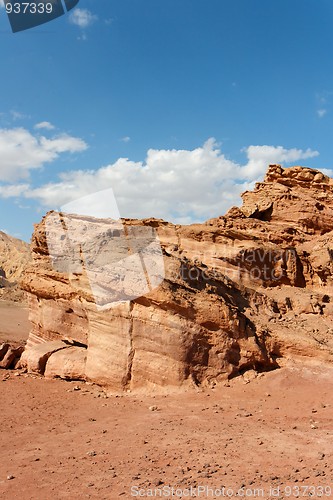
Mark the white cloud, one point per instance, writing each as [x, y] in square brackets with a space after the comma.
[321, 112]
[176, 185]
[261, 156]
[21, 151]
[62, 144]
[82, 17]
[13, 190]
[44, 125]
[125, 139]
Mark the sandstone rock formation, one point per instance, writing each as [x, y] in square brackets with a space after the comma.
[10, 356]
[242, 291]
[14, 256]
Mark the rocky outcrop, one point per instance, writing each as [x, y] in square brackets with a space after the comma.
[14, 256]
[242, 291]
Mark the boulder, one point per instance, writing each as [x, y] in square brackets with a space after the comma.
[67, 363]
[11, 356]
[35, 357]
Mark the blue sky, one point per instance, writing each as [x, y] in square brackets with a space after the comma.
[154, 82]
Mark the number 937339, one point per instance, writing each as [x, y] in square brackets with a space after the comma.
[28, 8]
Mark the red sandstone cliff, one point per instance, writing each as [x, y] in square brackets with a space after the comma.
[241, 291]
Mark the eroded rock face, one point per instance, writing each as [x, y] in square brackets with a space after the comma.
[239, 292]
[14, 256]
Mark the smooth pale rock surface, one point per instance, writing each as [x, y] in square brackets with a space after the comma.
[241, 292]
[67, 363]
[35, 357]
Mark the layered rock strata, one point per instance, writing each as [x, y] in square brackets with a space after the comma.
[242, 291]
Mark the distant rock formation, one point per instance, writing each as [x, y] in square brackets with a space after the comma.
[241, 291]
[14, 256]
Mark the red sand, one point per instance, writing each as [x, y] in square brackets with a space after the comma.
[60, 442]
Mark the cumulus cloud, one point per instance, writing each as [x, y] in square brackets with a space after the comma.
[21, 151]
[261, 156]
[44, 125]
[82, 18]
[178, 185]
[13, 190]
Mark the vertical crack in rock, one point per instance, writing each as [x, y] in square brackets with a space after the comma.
[128, 376]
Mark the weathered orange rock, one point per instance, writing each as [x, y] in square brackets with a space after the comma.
[69, 363]
[240, 292]
[34, 359]
[9, 355]
[14, 256]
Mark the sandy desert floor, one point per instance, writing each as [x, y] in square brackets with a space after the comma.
[264, 437]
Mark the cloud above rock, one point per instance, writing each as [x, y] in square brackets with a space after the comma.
[21, 151]
[174, 184]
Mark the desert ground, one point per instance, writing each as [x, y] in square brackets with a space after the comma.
[265, 436]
